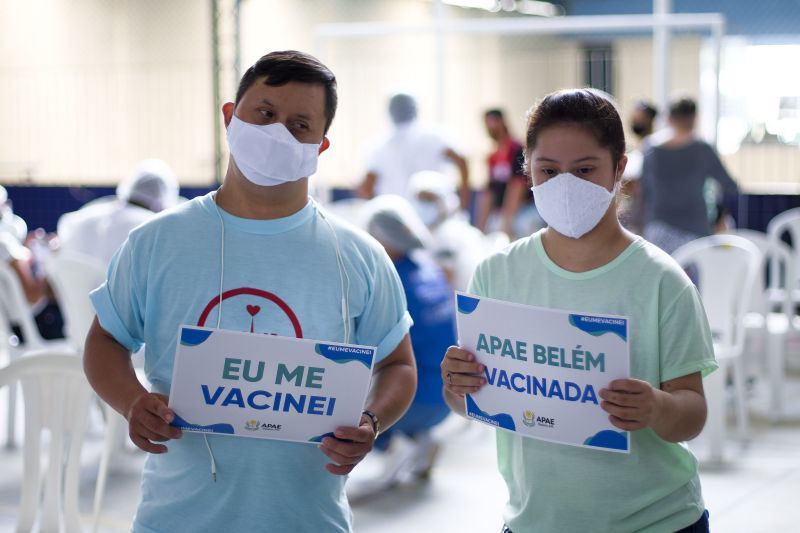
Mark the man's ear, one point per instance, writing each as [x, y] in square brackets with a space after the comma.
[227, 112]
[325, 144]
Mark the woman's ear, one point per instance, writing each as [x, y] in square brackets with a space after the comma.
[623, 162]
[325, 144]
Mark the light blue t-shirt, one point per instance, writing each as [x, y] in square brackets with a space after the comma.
[280, 276]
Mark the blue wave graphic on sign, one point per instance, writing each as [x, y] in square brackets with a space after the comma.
[194, 337]
[345, 354]
[211, 428]
[466, 304]
[600, 325]
[503, 420]
[319, 438]
[330, 434]
[614, 440]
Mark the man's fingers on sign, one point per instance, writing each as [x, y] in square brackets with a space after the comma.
[348, 448]
[461, 373]
[148, 420]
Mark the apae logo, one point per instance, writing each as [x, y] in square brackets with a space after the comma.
[527, 418]
[255, 425]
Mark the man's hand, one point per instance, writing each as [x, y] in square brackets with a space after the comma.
[148, 421]
[349, 447]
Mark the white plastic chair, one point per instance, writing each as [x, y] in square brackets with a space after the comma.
[73, 276]
[727, 268]
[15, 309]
[56, 397]
[770, 312]
[783, 223]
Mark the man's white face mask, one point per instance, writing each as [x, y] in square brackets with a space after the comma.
[570, 205]
[270, 155]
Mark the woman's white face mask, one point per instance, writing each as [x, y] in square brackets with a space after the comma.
[269, 155]
[570, 205]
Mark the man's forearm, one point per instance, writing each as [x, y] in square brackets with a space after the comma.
[108, 367]
[393, 385]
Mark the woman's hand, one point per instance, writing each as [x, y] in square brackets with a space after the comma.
[461, 374]
[631, 403]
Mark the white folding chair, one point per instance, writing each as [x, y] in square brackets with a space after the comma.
[770, 312]
[56, 397]
[73, 276]
[15, 309]
[727, 267]
[784, 223]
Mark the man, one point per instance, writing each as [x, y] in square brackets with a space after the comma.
[676, 174]
[642, 124]
[257, 256]
[506, 203]
[643, 119]
[99, 229]
[410, 148]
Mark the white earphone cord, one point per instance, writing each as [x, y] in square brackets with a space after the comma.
[219, 315]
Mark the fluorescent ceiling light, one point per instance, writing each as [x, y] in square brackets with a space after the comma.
[540, 9]
[488, 5]
[525, 7]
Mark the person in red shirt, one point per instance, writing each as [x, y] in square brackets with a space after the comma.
[507, 190]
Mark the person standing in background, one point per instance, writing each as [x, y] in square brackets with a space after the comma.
[642, 124]
[674, 176]
[408, 149]
[506, 197]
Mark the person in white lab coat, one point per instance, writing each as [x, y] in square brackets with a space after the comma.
[99, 228]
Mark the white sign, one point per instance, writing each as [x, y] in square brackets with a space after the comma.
[265, 386]
[544, 369]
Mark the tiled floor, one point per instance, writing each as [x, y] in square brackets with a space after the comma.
[757, 492]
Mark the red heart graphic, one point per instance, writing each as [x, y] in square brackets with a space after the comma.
[253, 309]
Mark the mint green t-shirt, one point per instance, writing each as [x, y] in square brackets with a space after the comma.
[655, 488]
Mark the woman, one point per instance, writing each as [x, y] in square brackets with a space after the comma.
[586, 261]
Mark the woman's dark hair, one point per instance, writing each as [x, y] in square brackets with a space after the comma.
[588, 108]
[283, 67]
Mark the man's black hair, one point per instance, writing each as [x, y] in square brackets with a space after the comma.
[286, 66]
